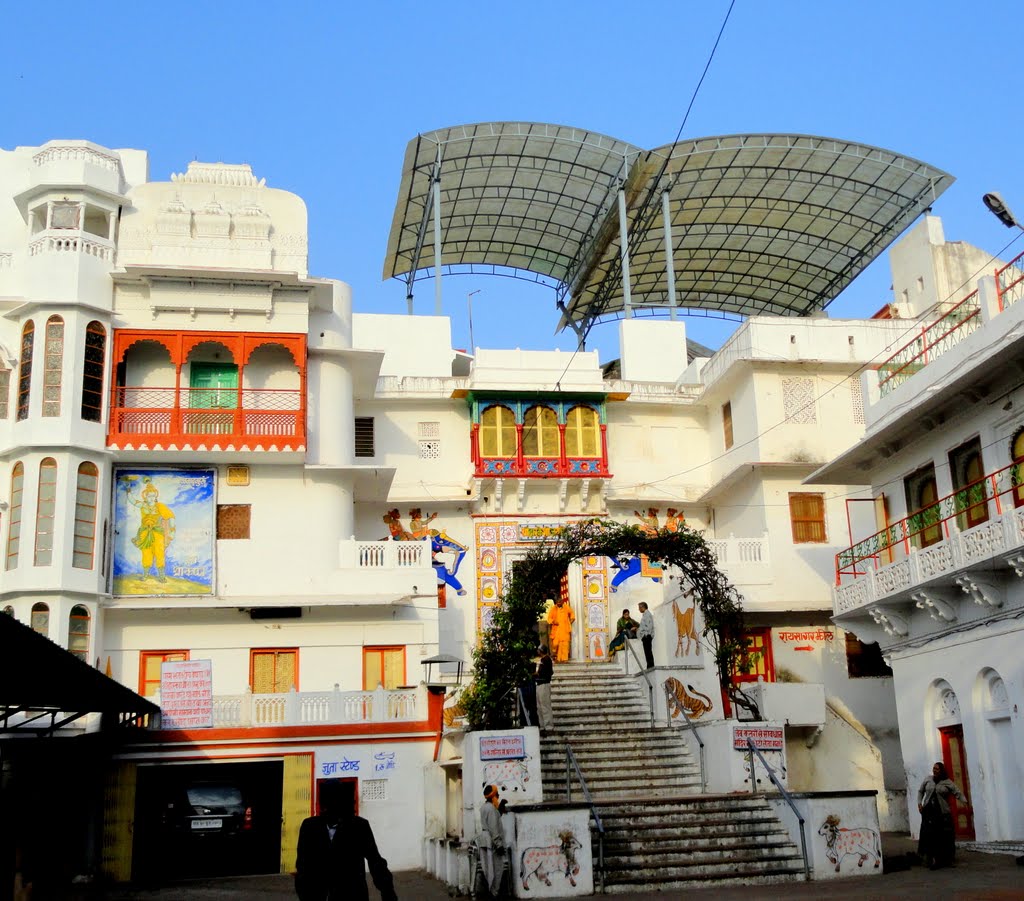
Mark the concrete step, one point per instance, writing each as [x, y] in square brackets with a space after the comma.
[667, 843]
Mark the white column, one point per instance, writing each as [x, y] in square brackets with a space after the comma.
[670, 265]
[627, 300]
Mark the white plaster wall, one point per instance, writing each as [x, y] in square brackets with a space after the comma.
[330, 642]
[662, 444]
[961, 660]
[400, 765]
[652, 350]
[413, 345]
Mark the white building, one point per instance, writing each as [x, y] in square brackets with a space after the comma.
[211, 458]
[935, 572]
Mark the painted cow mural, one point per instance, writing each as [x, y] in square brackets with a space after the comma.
[542, 862]
[508, 775]
[841, 842]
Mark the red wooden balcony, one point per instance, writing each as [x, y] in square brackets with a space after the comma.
[243, 418]
[203, 390]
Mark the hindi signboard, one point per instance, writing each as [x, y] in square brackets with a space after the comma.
[502, 747]
[186, 694]
[765, 738]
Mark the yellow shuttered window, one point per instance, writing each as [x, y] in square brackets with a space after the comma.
[540, 432]
[582, 433]
[274, 671]
[497, 432]
[383, 666]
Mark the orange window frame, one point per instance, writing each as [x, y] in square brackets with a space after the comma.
[807, 518]
[275, 653]
[161, 657]
[382, 650]
[759, 641]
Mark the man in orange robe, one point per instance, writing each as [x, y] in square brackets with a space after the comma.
[560, 620]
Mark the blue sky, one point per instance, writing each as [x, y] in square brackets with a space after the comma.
[321, 99]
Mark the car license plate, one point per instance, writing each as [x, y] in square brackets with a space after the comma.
[208, 823]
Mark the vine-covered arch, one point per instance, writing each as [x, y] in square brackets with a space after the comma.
[502, 660]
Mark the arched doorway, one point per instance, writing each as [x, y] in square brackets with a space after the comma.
[949, 726]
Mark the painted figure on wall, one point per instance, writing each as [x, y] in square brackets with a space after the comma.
[695, 704]
[156, 527]
[840, 843]
[686, 629]
[441, 546]
[164, 528]
[542, 862]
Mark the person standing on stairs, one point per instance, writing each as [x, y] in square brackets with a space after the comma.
[542, 679]
[560, 620]
[646, 634]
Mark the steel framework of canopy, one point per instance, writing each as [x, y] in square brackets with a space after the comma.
[733, 225]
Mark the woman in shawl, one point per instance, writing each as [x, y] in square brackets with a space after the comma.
[937, 845]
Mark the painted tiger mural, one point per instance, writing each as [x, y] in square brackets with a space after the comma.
[694, 703]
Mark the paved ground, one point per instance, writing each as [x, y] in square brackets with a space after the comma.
[976, 877]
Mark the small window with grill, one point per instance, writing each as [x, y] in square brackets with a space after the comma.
[364, 436]
[430, 449]
[375, 789]
[233, 521]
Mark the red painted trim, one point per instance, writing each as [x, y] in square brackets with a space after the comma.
[422, 730]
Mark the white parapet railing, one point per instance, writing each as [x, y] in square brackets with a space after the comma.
[733, 551]
[312, 708]
[384, 555]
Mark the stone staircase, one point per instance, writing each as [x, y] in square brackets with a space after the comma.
[660, 831]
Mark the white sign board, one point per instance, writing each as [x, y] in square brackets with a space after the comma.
[765, 738]
[186, 694]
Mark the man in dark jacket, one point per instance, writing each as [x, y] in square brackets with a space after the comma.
[332, 848]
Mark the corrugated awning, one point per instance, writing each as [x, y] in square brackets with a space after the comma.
[760, 223]
[43, 686]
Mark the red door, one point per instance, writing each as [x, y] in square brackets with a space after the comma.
[955, 759]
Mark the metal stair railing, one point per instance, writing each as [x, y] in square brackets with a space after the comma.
[643, 672]
[692, 726]
[570, 765]
[522, 708]
[786, 796]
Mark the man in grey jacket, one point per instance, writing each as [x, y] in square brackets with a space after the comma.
[646, 633]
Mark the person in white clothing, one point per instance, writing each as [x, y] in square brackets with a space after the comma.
[646, 634]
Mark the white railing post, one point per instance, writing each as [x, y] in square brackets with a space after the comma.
[766, 557]
[420, 712]
[988, 298]
[379, 701]
[245, 708]
[292, 715]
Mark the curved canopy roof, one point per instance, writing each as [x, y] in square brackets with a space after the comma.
[760, 223]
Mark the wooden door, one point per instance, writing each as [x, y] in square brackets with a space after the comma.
[296, 804]
[955, 759]
[118, 821]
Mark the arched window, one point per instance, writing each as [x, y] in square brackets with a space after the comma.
[45, 509]
[497, 432]
[53, 362]
[582, 433]
[1017, 473]
[14, 526]
[40, 619]
[86, 494]
[540, 432]
[92, 374]
[78, 632]
[28, 335]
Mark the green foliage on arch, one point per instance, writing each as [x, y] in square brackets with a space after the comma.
[503, 657]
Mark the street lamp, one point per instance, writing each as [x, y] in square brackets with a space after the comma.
[997, 206]
[469, 304]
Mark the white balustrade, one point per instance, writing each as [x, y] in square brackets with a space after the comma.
[385, 555]
[70, 244]
[733, 551]
[75, 153]
[944, 560]
[302, 708]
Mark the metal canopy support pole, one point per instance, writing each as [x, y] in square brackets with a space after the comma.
[437, 234]
[670, 265]
[627, 300]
